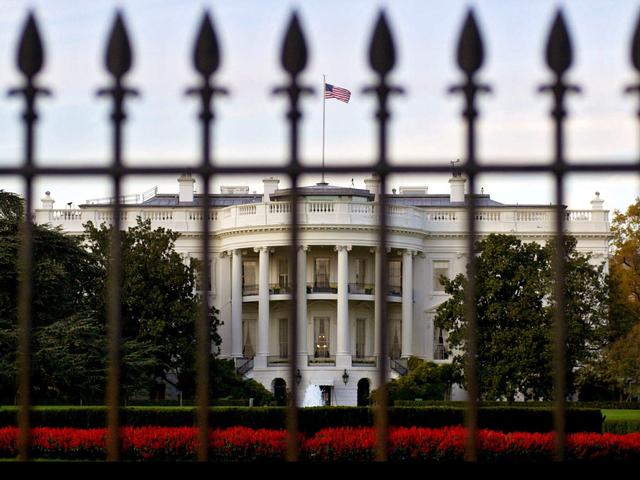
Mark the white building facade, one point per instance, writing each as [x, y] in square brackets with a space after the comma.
[338, 258]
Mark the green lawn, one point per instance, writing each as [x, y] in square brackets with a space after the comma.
[621, 414]
[621, 421]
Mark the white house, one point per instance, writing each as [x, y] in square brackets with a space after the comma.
[251, 272]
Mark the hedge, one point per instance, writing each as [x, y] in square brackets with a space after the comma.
[621, 426]
[602, 405]
[506, 419]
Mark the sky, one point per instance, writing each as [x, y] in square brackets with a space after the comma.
[250, 127]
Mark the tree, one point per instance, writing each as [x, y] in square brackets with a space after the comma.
[424, 380]
[160, 304]
[515, 316]
[62, 276]
[624, 270]
[614, 374]
[622, 363]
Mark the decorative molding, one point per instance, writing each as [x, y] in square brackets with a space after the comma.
[338, 248]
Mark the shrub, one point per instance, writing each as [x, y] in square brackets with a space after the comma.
[507, 419]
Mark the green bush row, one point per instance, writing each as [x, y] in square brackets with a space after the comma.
[621, 426]
[603, 405]
[506, 419]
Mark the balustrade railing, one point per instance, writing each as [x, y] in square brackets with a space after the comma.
[313, 360]
[362, 288]
[279, 289]
[348, 213]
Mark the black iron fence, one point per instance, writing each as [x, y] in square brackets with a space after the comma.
[293, 57]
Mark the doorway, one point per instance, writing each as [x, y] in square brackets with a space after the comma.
[325, 391]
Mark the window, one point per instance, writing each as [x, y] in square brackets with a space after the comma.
[321, 278]
[250, 277]
[395, 337]
[395, 277]
[321, 336]
[440, 268]
[248, 351]
[439, 344]
[283, 337]
[361, 325]
[283, 273]
[200, 274]
[360, 272]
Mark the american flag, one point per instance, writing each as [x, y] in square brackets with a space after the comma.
[338, 93]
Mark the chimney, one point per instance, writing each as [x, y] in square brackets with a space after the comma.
[596, 203]
[373, 185]
[270, 185]
[457, 182]
[47, 201]
[186, 188]
[598, 214]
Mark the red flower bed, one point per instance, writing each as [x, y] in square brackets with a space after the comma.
[331, 444]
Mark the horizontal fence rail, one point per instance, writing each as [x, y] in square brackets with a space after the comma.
[122, 210]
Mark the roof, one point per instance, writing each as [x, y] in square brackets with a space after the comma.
[439, 200]
[324, 190]
[321, 190]
[215, 200]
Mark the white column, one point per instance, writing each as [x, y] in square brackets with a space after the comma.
[301, 282]
[343, 356]
[407, 302]
[263, 308]
[236, 303]
[378, 297]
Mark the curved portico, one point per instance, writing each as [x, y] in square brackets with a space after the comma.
[336, 304]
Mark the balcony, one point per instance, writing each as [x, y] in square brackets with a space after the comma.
[279, 289]
[277, 360]
[322, 287]
[361, 288]
[394, 290]
[364, 361]
[329, 360]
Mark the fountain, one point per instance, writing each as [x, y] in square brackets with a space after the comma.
[312, 396]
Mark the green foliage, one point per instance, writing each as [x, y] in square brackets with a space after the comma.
[624, 268]
[62, 278]
[616, 372]
[515, 316]
[226, 383]
[621, 427]
[159, 299]
[159, 310]
[425, 380]
[507, 419]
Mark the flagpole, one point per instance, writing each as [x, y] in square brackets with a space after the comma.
[324, 99]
